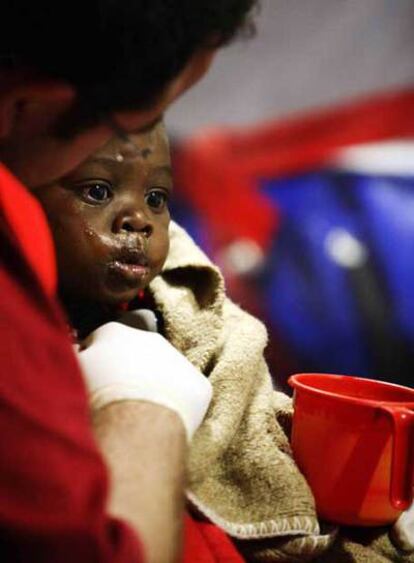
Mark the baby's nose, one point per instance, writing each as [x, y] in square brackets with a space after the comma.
[133, 222]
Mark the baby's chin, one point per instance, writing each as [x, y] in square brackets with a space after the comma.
[118, 301]
[123, 284]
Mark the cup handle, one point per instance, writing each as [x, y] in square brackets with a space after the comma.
[402, 464]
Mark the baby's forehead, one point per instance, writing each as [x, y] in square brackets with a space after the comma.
[137, 144]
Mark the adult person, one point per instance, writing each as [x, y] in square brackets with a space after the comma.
[71, 75]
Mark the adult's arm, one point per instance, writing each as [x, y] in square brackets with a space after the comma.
[147, 400]
[144, 446]
[53, 483]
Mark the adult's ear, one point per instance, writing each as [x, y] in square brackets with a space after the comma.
[195, 69]
[32, 100]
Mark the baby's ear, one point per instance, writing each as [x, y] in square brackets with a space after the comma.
[28, 100]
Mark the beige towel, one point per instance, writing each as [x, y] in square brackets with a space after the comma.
[241, 472]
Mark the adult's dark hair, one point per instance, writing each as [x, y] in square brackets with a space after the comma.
[118, 53]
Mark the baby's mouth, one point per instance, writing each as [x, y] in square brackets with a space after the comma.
[132, 256]
[131, 265]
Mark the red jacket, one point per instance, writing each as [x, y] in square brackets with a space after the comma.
[53, 483]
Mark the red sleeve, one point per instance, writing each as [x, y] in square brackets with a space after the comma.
[53, 484]
[204, 542]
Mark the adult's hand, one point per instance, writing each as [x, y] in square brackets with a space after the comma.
[403, 530]
[122, 363]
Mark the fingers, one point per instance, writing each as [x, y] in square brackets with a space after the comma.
[403, 530]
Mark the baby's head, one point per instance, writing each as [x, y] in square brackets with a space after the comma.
[110, 219]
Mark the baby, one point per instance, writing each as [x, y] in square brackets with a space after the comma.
[118, 251]
[110, 221]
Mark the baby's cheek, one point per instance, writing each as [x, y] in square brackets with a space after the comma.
[160, 256]
[98, 245]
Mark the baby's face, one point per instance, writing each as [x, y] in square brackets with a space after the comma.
[110, 219]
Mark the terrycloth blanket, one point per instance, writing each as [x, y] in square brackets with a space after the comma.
[242, 475]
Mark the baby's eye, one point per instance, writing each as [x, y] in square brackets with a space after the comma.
[157, 199]
[96, 192]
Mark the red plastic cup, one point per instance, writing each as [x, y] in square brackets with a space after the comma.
[353, 439]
